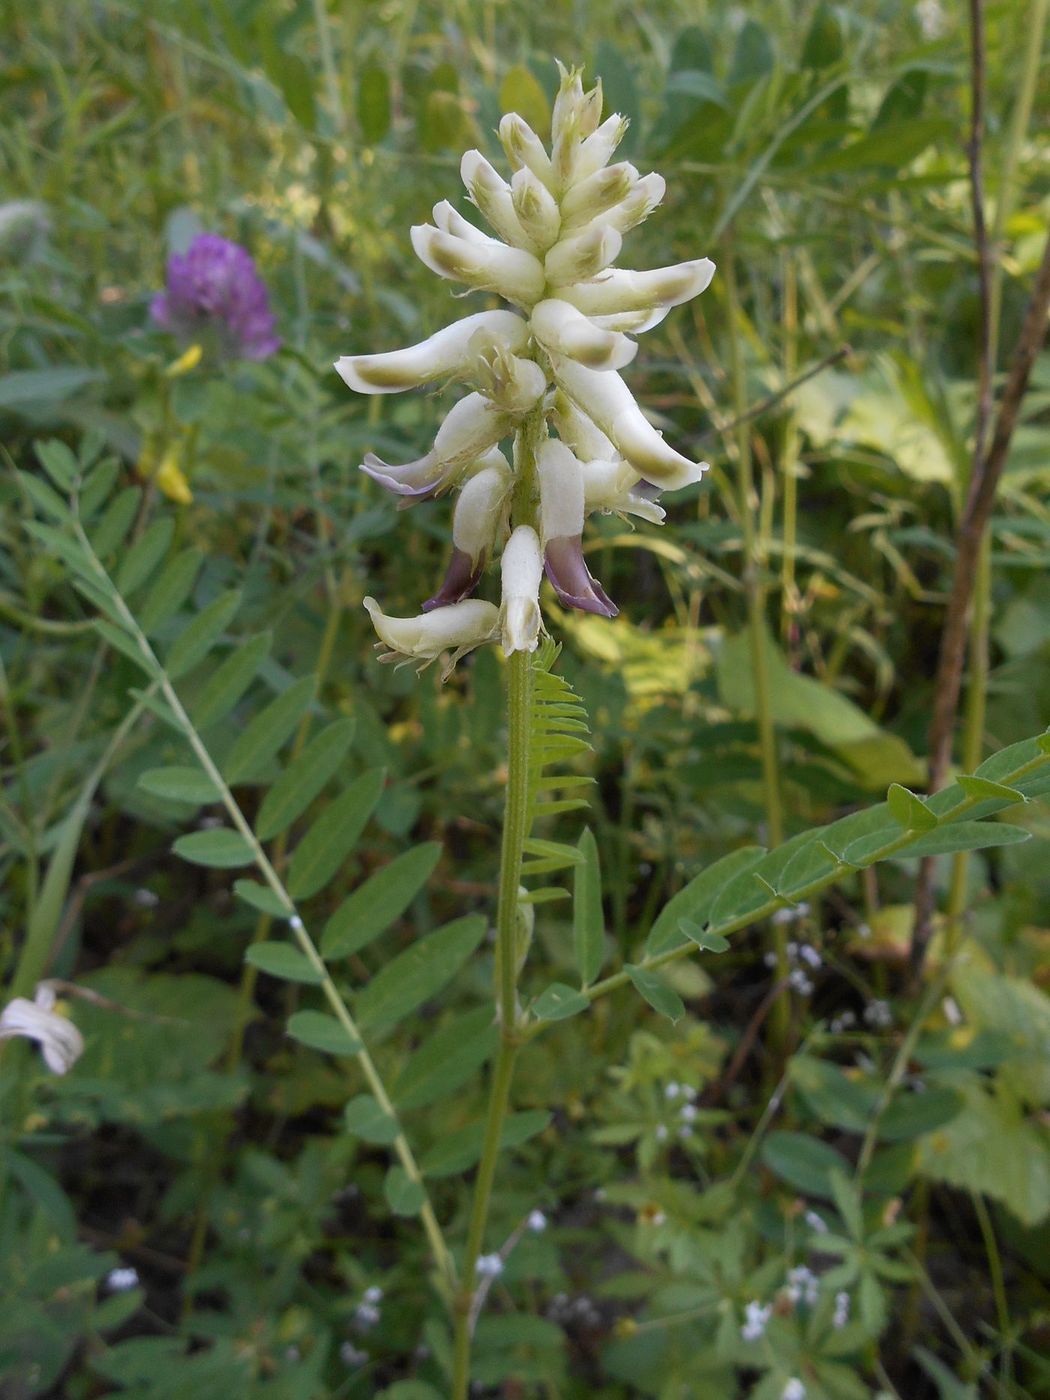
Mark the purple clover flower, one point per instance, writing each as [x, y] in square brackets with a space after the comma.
[213, 289]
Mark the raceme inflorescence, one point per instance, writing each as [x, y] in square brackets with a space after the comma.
[551, 363]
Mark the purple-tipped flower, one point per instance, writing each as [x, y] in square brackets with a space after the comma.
[214, 291]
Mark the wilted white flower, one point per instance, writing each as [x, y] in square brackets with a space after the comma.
[552, 361]
[61, 1044]
[756, 1318]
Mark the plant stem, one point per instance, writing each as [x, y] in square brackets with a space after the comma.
[516, 821]
[754, 588]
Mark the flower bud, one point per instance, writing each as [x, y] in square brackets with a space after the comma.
[450, 220]
[476, 521]
[599, 192]
[450, 351]
[524, 148]
[471, 428]
[491, 194]
[535, 207]
[582, 256]
[561, 517]
[521, 572]
[460, 627]
[513, 273]
[595, 151]
[560, 327]
[623, 290]
[638, 203]
[605, 398]
[615, 486]
[511, 383]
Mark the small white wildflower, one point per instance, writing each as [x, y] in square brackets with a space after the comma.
[756, 1317]
[952, 1014]
[794, 1390]
[800, 982]
[374, 1294]
[803, 1286]
[841, 1314]
[537, 1221]
[365, 1315]
[783, 916]
[489, 1266]
[863, 930]
[808, 954]
[296, 923]
[672, 1090]
[351, 1355]
[688, 1112]
[120, 1280]
[816, 1222]
[685, 1131]
[657, 1218]
[931, 17]
[770, 959]
[661, 1132]
[145, 899]
[878, 1015]
[292, 1354]
[61, 1044]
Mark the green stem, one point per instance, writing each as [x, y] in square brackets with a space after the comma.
[266, 869]
[973, 736]
[754, 553]
[516, 821]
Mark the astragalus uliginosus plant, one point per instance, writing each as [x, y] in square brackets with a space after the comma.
[552, 363]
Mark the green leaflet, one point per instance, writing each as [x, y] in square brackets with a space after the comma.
[333, 836]
[420, 972]
[144, 555]
[320, 1031]
[229, 682]
[221, 847]
[283, 961]
[382, 898]
[199, 636]
[271, 728]
[588, 921]
[303, 779]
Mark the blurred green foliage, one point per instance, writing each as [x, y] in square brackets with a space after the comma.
[684, 1173]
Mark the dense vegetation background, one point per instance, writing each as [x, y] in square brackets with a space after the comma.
[883, 1133]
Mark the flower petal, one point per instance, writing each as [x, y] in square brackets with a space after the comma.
[521, 572]
[560, 327]
[572, 580]
[620, 289]
[449, 351]
[511, 272]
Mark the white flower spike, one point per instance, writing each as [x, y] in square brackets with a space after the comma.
[61, 1044]
[557, 226]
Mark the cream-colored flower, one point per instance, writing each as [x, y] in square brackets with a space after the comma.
[458, 628]
[521, 571]
[61, 1044]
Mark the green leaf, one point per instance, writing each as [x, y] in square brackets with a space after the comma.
[179, 785]
[984, 787]
[382, 898]
[231, 680]
[170, 590]
[373, 104]
[803, 1162]
[588, 921]
[695, 901]
[65, 548]
[121, 641]
[320, 1031]
[365, 1118]
[403, 1195]
[116, 522]
[753, 54]
[45, 498]
[911, 1114]
[703, 938]
[253, 749]
[303, 779]
[909, 811]
[198, 636]
[418, 973]
[58, 461]
[145, 554]
[823, 42]
[459, 1150]
[558, 1002]
[445, 1061]
[967, 836]
[284, 961]
[656, 992]
[44, 386]
[261, 897]
[333, 835]
[520, 92]
[220, 847]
